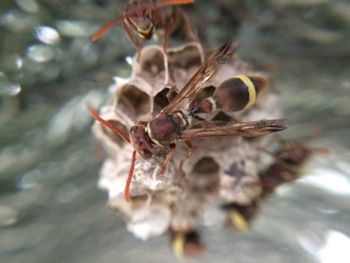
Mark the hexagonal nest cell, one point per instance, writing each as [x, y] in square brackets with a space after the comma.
[195, 176]
[133, 101]
[161, 100]
[151, 61]
[186, 56]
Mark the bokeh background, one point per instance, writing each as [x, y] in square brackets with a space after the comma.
[50, 207]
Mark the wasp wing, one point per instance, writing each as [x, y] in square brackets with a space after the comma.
[206, 70]
[244, 129]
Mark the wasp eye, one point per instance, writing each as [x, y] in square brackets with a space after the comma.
[146, 154]
[133, 129]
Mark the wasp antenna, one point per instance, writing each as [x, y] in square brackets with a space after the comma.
[107, 123]
[320, 150]
[98, 34]
[128, 180]
[162, 3]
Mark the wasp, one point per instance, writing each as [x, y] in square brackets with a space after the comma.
[289, 158]
[144, 17]
[179, 120]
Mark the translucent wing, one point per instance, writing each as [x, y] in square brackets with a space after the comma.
[208, 68]
[244, 129]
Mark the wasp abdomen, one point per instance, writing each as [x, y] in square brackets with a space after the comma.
[237, 93]
[234, 94]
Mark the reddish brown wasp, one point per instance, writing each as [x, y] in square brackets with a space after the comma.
[144, 17]
[175, 122]
[288, 160]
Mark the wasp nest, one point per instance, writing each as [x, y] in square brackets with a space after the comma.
[222, 171]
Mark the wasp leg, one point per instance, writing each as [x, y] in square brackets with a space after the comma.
[172, 93]
[168, 158]
[128, 181]
[169, 25]
[187, 27]
[132, 41]
[167, 77]
[138, 51]
[188, 155]
[190, 149]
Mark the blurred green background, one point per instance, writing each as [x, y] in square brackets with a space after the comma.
[50, 207]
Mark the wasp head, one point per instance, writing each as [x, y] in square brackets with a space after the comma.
[141, 142]
[146, 28]
[143, 25]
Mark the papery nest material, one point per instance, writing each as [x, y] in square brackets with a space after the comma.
[222, 170]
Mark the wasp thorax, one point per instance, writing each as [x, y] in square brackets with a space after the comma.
[164, 129]
[141, 142]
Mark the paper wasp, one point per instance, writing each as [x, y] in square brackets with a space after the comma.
[175, 121]
[286, 168]
[288, 160]
[144, 17]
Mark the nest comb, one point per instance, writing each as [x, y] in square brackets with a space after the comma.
[219, 171]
